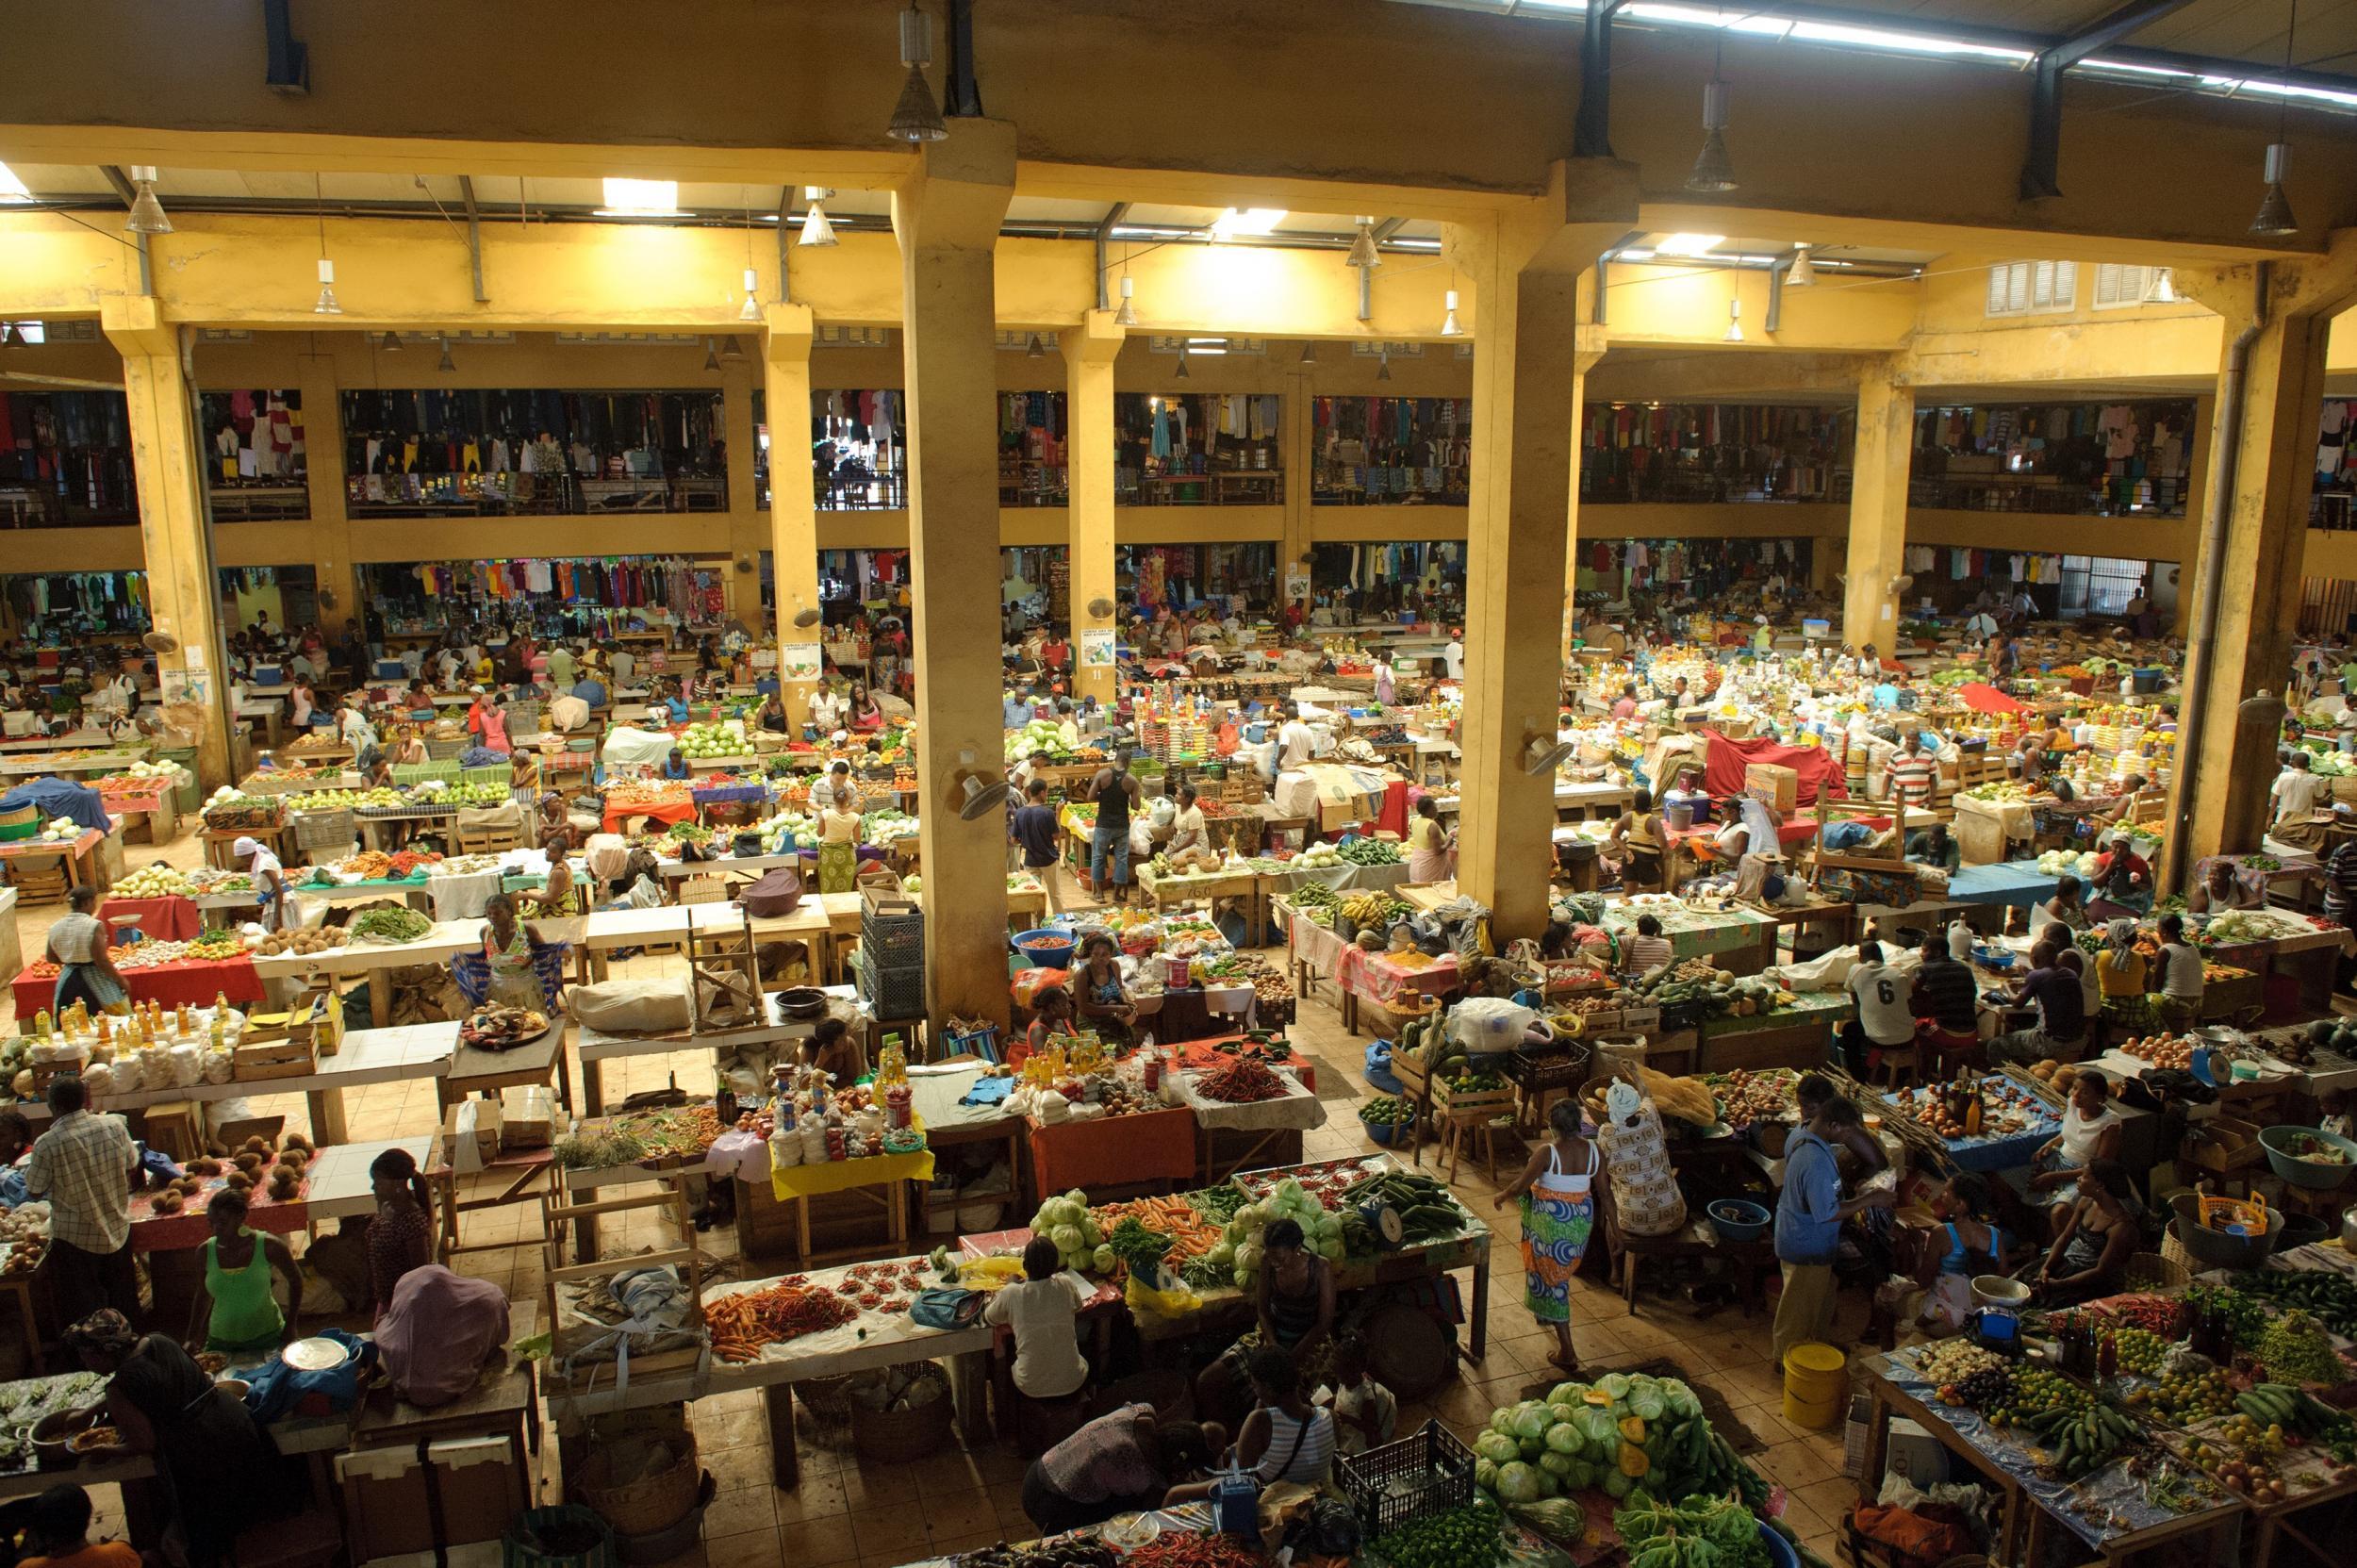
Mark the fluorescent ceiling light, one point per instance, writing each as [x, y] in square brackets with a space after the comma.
[640, 199]
[12, 189]
[1252, 221]
[1398, 244]
[1688, 244]
[1907, 43]
[1635, 253]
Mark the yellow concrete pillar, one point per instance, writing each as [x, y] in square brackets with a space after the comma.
[747, 536]
[2197, 498]
[946, 215]
[1878, 508]
[183, 597]
[1524, 268]
[1298, 432]
[340, 598]
[793, 509]
[1583, 361]
[2218, 796]
[1090, 351]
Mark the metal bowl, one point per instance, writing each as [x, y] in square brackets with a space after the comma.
[803, 1001]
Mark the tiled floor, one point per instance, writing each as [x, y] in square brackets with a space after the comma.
[849, 1512]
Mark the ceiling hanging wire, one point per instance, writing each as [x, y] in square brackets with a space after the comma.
[1714, 171]
[2275, 209]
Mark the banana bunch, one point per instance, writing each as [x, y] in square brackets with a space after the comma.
[1371, 909]
[2084, 1440]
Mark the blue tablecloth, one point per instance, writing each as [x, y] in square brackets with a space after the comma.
[54, 798]
[2016, 882]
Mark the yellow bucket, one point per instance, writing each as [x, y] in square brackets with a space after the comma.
[1816, 1374]
[1818, 1416]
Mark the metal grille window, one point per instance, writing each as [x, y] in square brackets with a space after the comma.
[2099, 585]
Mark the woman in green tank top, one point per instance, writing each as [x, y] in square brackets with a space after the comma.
[235, 1312]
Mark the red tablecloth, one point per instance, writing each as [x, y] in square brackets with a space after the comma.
[1107, 1152]
[1202, 1055]
[1380, 978]
[195, 981]
[665, 812]
[168, 919]
[154, 1233]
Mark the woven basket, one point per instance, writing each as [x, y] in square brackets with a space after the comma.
[2173, 1250]
[652, 1503]
[897, 1437]
[2155, 1271]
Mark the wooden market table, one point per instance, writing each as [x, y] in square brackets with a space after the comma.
[154, 801]
[1170, 889]
[597, 1047]
[78, 853]
[1798, 1036]
[193, 981]
[476, 1071]
[437, 945]
[876, 1340]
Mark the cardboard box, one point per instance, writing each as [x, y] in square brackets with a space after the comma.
[470, 1134]
[1776, 787]
[528, 1117]
[387, 1506]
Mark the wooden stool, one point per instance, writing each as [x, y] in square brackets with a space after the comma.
[39, 879]
[175, 1130]
[1902, 1059]
[1457, 1131]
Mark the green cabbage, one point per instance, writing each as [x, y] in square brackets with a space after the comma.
[1497, 1448]
[1531, 1448]
[1556, 1465]
[1568, 1394]
[1681, 1399]
[1647, 1405]
[1502, 1420]
[1564, 1438]
[1519, 1483]
[1486, 1473]
[1614, 1386]
[1615, 1484]
[1581, 1476]
[1532, 1419]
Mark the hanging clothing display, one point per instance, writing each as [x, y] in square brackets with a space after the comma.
[531, 450]
[1390, 450]
[1632, 452]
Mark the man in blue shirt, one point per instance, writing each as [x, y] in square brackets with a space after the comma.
[1810, 1212]
[1033, 827]
[590, 690]
[1014, 710]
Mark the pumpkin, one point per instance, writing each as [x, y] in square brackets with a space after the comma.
[1633, 1428]
[1633, 1462]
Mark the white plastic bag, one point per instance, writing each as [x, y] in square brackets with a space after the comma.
[1488, 1024]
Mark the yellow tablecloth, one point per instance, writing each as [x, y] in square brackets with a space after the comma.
[836, 1175]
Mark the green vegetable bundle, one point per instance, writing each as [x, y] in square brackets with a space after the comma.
[1468, 1537]
[2296, 1349]
[1369, 851]
[2332, 1297]
[390, 925]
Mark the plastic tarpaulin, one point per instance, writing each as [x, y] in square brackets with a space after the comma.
[1983, 697]
[55, 798]
[1820, 772]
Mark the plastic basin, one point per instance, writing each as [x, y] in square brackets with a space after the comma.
[1046, 949]
[2307, 1173]
[1737, 1220]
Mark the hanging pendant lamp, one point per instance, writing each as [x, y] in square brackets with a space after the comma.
[147, 214]
[1128, 314]
[915, 118]
[817, 230]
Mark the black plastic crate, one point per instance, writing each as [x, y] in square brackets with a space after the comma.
[1425, 1473]
[892, 928]
[893, 991]
[1562, 1066]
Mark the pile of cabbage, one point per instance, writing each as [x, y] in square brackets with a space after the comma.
[1066, 1221]
[1321, 1229]
[1613, 1434]
[1040, 735]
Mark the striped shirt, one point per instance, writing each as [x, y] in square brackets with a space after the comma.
[1647, 953]
[1945, 993]
[1295, 1455]
[1913, 780]
[2340, 881]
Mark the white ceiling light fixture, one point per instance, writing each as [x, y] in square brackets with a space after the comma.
[12, 189]
[1128, 314]
[1184, 374]
[817, 230]
[915, 118]
[1802, 271]
[712, 354]
[2163, 290]
[390, 342]
[1714, 171]
[147, 214]
[327, 304]
[1251, 223]
[1362, 251]
[1310, 353]
[448, 366]
[730, 349]
[1682, 244]
[640, 199]
[1448, 319]
[1383, 365]
[750, 309]
[1735, 321]
[1034, 348]
[2275, 209]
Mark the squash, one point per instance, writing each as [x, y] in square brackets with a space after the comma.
[1598, 1397]
[1634, 1465]
[1633, 1428]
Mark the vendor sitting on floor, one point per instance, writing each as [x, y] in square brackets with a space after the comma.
[1293, 1305]
[2104, 1230]
[1285, 1438]
[2060, 1033]
[836, 1051]
[2090, 1132]
[1121, 1462]
[1098, 1000]
[1966, 1242]
[1051, 1007]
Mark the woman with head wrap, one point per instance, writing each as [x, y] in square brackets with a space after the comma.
[218, 1466]
[2120, 976]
